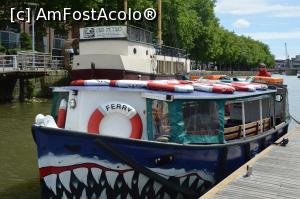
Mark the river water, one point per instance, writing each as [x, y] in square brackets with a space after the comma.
[18, 162]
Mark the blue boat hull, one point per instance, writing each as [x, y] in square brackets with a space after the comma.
[89, 166]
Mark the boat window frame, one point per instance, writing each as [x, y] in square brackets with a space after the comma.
[270, 96]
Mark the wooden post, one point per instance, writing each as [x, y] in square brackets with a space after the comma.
[159, 34]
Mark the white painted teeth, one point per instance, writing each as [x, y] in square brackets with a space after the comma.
[83, 195]
[64, 196]
[103, 194]
[50, 181]
[141, 182]
[111, 177]
[182, 179]
[96, 174]
[200, 183]
[166, 196]
[192, 179]
[128, 196]
[128, 178]
[94, 196]
[156, 187]
[81, 174]
[119, 183]
[75, 184]
[64, 178]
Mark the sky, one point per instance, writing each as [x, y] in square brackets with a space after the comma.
[274, 22]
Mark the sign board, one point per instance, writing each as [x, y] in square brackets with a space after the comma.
[103, 32]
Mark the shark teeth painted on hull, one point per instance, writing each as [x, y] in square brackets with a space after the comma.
[111, 177]
[128, 178]
[96, 174]
[103, 194]
[64, 196]
[83, 194]
[182, 180]
[50, 181]
[142, 180]
[92, 178]
[65, 178]
[81, 174]
[192, 180]
[156, 187]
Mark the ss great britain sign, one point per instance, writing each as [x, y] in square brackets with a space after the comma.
[103, 32]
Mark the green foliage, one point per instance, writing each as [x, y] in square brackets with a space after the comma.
[189, 24]
[26, 42]
[2, 49]
[13, 51]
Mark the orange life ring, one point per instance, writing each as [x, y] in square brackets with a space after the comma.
[268, 80]
[62, 112]
[127, 110]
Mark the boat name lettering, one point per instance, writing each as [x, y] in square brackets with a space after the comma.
[118, 106]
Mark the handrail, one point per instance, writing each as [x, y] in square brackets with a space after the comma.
[26, 61]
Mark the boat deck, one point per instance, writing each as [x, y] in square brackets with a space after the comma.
[275, 174]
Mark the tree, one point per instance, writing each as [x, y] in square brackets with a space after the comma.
[25, 41]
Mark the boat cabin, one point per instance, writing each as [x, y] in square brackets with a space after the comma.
[125, 52]
[186, 118]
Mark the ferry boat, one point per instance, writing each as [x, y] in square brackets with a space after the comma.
[126, 52]
[153, 139]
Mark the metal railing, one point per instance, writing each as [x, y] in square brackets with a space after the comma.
[171, 51]
[30, 61]
[8, 62]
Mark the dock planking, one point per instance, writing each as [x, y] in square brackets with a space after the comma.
[275, 174]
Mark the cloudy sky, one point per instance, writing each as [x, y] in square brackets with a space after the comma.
[273, 22]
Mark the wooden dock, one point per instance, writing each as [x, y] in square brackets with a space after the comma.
[275, 174]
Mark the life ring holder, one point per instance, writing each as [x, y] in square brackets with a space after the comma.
[113, 107]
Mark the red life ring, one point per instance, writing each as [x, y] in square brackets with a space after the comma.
[127, 110]
[62, 112]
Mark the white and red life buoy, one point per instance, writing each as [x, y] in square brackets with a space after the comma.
[91, 82]
[243, 86]
[257, 86]
[182, 88]
[113, 107]
[62, 112]
[214, 88]
[128, 83]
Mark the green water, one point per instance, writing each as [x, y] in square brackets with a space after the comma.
[18, 158]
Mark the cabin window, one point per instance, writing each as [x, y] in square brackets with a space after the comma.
[147, 52]
[201, 117]
[134, 51]
[185, 121]
[161, 125]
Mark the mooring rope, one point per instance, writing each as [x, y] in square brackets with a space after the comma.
[295, 120]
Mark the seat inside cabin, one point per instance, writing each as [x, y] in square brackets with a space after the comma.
[256, 120]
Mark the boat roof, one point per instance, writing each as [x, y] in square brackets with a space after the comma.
[163, 95]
